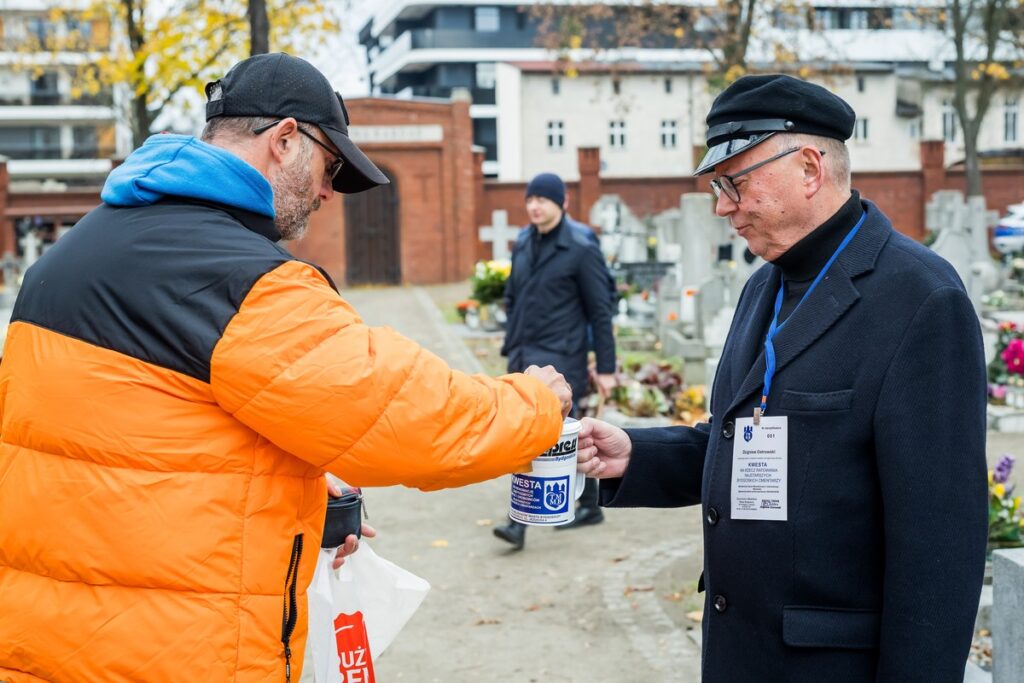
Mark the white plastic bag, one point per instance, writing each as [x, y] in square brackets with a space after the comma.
[355, 613]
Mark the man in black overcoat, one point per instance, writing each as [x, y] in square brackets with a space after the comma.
[842, 477]
[559, 299]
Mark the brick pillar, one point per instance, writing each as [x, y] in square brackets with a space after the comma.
[7, 236]
[481, 250]
[461, 236]
[588, 160]
[933, 167]
[933, 179]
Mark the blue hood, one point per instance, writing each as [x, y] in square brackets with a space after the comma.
[183, 166]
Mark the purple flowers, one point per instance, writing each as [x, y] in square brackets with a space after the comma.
[1003, 468]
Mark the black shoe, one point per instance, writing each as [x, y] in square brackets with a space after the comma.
[513, 532]
[584, 516]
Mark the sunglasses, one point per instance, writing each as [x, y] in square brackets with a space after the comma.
[333, 170]
[725, 183]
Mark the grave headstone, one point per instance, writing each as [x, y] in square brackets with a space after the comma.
[31, 248]
[962, 239]
[499, 234]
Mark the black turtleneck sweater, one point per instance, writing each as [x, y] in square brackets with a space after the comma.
[805, 259]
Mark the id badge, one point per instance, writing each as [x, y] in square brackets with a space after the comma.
[760, 462]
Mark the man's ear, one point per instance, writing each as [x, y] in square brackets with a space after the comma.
[284, 139]
[814, 170]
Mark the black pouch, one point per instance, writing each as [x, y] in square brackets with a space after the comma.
[344, 517]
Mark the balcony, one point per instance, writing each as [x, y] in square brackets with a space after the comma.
[449, 45]
[53, 98]
[433, 38]
[479, 95]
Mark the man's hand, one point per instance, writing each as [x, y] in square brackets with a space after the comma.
[605, 384]
[603, 450]
[351, 541]
[351, 545]
[556, 382]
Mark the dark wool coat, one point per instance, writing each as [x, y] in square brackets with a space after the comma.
[552, 301]
[877, 572]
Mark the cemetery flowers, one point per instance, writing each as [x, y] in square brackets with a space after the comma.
[1007, 368]
[1005, 517]
[488, 281]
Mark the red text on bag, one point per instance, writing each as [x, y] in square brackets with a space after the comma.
[353, 648]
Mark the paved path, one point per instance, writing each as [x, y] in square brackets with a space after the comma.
[582, 605]
[588, 605]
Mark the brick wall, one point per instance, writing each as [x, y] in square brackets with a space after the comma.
[901, 195]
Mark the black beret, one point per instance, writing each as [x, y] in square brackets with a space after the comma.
[754, 108]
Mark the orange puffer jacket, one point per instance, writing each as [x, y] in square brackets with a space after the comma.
[174, 386]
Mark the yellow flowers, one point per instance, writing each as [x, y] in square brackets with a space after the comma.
[999, 490]
[575, 42]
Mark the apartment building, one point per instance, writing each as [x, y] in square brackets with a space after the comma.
[50, 129]
[644, 107]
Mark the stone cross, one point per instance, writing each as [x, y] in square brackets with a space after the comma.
[31, 246]
[499, 234]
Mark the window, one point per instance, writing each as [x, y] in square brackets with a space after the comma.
[485, 134]
[30, 142]
[914, 129]
[1010, 109]
[486, 19]
[668, 134]
[860, 129]
[44, 89]
[556, 86]
[556, 135]
[617, 134]
[859, 19]
[617, 86]
[950, 121]
[485, 75]
[860, 84]
[521, 17]
[668, 86]
[85, 143]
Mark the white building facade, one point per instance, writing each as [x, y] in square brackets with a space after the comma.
[51, 130]
[645, 107]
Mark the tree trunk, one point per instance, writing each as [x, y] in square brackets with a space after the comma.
[259, 28]
[971, 165]
[141, 120]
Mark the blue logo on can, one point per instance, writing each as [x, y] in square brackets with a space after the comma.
[748, 433]
[540, 495]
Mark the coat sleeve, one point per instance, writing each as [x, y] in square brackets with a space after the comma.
[597, 306]
[665, 469]
[297, 365]
[930, 444]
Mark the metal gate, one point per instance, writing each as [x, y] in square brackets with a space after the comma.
[372, 236]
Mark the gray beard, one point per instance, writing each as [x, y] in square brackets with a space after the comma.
[292, 206]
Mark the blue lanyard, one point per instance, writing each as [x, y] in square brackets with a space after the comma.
[773, 329]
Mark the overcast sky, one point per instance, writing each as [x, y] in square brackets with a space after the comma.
[344, 61]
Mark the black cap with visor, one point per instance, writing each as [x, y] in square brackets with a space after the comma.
[755, 108]
[280, 85]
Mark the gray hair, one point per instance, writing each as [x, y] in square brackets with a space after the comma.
[238, 128]
[837, 155]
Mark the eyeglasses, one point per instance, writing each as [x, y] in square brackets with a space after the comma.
[333, 170]
[726, 184]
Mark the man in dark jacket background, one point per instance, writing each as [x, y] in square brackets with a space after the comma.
[842, 476]
[559, 301]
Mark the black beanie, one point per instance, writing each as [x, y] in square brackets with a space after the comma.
[549, 186]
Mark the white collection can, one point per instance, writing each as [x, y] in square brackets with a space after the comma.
[544, 496]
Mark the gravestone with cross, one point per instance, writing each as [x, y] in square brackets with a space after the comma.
[962, 239]
[499, 234]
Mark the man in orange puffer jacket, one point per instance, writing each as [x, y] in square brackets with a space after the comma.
[175, 385]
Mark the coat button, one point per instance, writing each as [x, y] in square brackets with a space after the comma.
[712, 516]
[720, 603]
[727, 430]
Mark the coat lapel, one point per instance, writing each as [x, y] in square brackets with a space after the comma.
[562, 240]
[834, 295]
